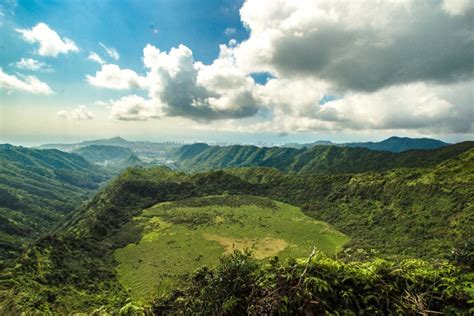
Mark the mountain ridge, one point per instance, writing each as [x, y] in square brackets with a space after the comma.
[399, 213]
[37, 189]
[392, 144]
[316, 160]
[400, 144]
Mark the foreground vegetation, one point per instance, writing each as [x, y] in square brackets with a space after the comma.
[320, 285]
[395, 215]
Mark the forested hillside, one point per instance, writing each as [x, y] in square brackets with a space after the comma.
[399, 144]
[394, 144]
[114, 158]
[401, 213]
[101, 153]
[315, 160]
[38, 188]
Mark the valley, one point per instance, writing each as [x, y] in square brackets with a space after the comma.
[236, 157]
[142, 235]
[180, 236]
[38, 189]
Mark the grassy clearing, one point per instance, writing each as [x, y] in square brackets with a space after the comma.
[179, 237]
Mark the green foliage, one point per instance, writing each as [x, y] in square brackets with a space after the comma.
[114, 159]
[393, 144]
[241, 285]
[131, 310]
[315, 160]
[38, 188]
[401, 213]
[399, 144]
[99, 153]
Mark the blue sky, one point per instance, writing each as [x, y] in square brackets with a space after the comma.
[253, 71]
[126, 26]
[129, 25]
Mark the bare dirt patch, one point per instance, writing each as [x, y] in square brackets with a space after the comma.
[262, 247]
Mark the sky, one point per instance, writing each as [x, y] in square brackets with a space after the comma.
[254, 71]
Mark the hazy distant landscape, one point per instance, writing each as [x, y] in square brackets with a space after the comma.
[236, 157]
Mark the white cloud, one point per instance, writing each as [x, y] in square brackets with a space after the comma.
[192, 89]
[135, 108]
[26, 84]
[358, 45]
[112, 77]
[94, 57]
[32, 65]
[229, 31]
[101, 103]
[112, 52]
[179, 86]
[63, 114]
[80, 113]
[393, 66]
[50, 43]
[415, 106]
[457, 7]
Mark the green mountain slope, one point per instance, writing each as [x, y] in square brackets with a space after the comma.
[38, 188]
[392, 144]
[101, 153]
[401, 213]
[114, 158]
[315, 160]
[399, 144]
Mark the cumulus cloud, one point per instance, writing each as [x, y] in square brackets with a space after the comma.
[113, 77]
[50, 43]
[388, 65]
[457, 7]
[415, 106]
[359, 45]
[192, 89]
[177, 85]
[135, 108]
[112, 52]
[80, 113]
[32, 65]
[96, 58]
[29, 84]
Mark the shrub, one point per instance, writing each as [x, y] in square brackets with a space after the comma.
[320, 285]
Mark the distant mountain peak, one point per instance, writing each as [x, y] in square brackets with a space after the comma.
[118, 138]
[399, 144]
[393, 144]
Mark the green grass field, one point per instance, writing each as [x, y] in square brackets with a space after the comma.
[179, 237]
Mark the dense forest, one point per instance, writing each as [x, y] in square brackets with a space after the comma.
[391, 217]
[315, 160]
[38, 188]
[113, 158]
[394, 144]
